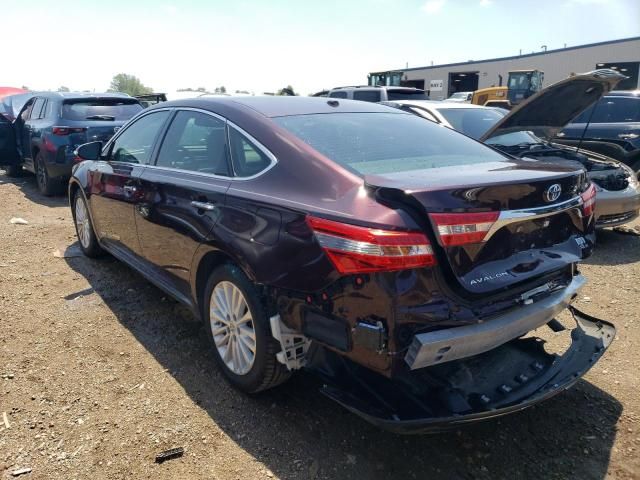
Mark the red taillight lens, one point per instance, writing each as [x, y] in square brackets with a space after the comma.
[589, 200]
[353, 249]
[62, 131]
[463, 228]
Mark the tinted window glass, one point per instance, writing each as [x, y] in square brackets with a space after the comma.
[134, 145]
[584, 116]
[381, 143]
[14, 103]
[196, 142]
[338, 94]
[367, 95]
[102, 109]
[471, 121]
[24, 116]
[37, 108]
[617, 109]
[246, 157]
[406, 95]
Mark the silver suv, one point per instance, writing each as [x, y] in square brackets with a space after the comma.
[378, 94]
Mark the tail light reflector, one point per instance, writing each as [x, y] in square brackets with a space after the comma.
[463, 228]
[354, 249]
[589, 200]
[62, 131]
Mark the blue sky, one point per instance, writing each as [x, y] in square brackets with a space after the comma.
[264, 45]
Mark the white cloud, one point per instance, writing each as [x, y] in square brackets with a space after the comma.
[486, 3]
[433, 6]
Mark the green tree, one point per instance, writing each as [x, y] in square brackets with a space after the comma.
[287, 91]
[221, 89]
[63, 89]
[125, 83]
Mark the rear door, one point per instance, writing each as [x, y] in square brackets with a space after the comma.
[114, 186]
[183, 194]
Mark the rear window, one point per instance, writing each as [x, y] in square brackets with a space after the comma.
[406, 94]
[474, 122]
[102, 109]
[380, 143]
[367, 95]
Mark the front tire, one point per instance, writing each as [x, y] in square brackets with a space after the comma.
[237, 324]
[84, 228]
[14, 170]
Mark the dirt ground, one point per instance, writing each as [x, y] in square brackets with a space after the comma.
[100, 371]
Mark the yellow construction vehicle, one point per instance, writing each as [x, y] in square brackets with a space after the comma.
[520, 85]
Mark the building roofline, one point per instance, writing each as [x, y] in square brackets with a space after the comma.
[514, 57]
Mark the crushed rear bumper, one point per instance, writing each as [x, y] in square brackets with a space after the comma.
[509, 378]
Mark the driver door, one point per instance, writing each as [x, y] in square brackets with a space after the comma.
[8, 153]
[114, 185]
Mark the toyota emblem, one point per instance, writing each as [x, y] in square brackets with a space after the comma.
[552, 193]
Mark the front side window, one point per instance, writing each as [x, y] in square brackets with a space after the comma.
[402, 94]
[26, 112]
[616, 110]
[382, 143]
[338, 94]
[196, 142]
[135, 144]
[247, 158]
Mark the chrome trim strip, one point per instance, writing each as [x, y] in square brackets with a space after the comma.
[512, 216]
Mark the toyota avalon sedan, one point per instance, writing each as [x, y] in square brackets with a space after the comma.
[530, 131]
[401, 261]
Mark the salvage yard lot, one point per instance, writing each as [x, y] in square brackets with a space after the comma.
[100, 371]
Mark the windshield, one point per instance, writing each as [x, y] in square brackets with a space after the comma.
[514, 138]
[459, 95]
[474, 122]
[120, 109]
[380, 143]
[406, 95]
[12, 104]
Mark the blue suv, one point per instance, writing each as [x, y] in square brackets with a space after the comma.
[52, 124]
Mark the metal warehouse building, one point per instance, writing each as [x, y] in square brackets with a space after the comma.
[443, 80]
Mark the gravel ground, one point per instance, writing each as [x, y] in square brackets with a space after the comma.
[100, 371]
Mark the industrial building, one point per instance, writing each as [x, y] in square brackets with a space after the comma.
[441, 81]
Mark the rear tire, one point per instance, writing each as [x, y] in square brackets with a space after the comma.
[237, 323]
[48, 186]
[84, 228]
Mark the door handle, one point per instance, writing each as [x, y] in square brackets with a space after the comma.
[203, 205]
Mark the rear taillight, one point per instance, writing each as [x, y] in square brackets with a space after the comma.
[463, 228]
[589, 200]
[353, 249]
[67, 130]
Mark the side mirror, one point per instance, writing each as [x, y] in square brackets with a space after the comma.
[89, 151]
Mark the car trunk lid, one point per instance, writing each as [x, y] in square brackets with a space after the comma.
[497, 224]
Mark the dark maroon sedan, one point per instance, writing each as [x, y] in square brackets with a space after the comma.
[398, 259]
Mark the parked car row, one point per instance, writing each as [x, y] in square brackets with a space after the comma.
[405, 263]
[49, 126]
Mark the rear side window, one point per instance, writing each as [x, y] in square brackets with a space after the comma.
[338, 94]
[36, 111]
[383, 143]
[398, 94]
[101, 109]
[617, 110]
[247, 158]
[195, 142]
[134, 145]
[367, 95]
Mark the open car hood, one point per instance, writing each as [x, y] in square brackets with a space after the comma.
[548, 111]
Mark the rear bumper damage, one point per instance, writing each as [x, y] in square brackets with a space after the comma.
[506, 379]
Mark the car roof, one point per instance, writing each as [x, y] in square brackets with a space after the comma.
[435, 104]
[280, 106]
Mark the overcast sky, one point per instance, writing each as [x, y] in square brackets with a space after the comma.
[265, 45]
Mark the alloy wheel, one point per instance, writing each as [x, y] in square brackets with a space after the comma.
[41, 175]
[83, 226]
[232, 327]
